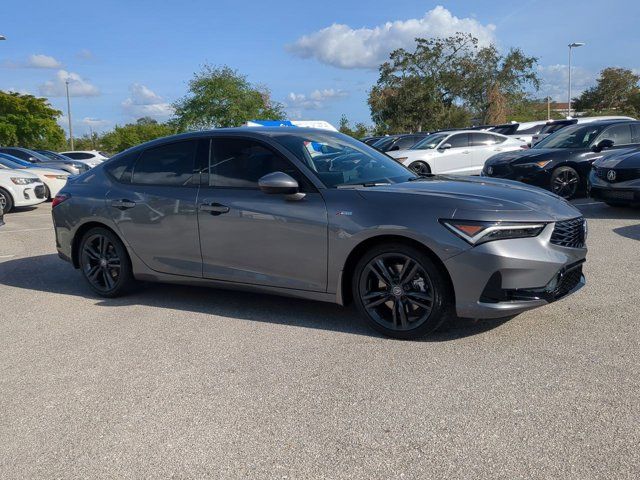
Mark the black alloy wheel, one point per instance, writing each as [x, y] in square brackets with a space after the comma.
[421, 168]
[400, 292]
[565, 182]
[104, 263]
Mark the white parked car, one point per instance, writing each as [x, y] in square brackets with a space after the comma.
[521, 130]
[555, 125]
[461, 152]
[52, 178]
[90, 157]
[19, 188]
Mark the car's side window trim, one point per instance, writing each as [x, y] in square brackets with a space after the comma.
[308, 187]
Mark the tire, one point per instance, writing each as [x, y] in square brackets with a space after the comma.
[404, 308]
[420, 167]
[104, 263]
[565, 182]
[47, 193]
[6, 201]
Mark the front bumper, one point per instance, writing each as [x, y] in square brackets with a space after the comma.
[27, 195]
[507, 277]
[600, 189]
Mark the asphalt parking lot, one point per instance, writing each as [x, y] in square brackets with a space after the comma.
[188, 382]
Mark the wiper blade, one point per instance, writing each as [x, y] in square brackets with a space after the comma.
[421, 176]
[363, 184]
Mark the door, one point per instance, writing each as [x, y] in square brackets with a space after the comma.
[483, 146]
[456, 159]
[248, 236]
[154, 207]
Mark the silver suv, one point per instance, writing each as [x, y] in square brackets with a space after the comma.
[318, 215]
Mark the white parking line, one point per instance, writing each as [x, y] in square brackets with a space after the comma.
[25, 230]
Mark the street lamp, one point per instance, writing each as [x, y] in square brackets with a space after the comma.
[571, 46]
[66, 82]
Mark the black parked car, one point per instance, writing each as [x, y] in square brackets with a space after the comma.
[398, 142]
[562, 161]
[615, 179]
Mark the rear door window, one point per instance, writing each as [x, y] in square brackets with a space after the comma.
[171, 164]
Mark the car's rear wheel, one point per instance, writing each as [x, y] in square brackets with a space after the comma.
[400, 291]
[565, 182]
[6, 202]
[421, 168]
[104, 263]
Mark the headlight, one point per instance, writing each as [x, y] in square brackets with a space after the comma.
[58, 177]
[540, 164]
[23, 180]
[401, 159]
[475, 232]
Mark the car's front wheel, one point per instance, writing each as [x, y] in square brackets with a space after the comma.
[421, 168]
[104, 263]
[565, 182]
[6, 202]
[400, 291]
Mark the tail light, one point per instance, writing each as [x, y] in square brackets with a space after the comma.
[58, 199]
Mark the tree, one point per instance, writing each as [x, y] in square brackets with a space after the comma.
[132, 134]
[28, 121]
[222, 97]
[445, 82]
[360, 129]
[616, 90]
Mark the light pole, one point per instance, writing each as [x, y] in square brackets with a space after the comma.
[66, 82]
[571, 46]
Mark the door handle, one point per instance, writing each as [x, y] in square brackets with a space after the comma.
[214, 208]
[123, 204]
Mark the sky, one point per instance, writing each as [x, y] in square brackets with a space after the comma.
[128, 59]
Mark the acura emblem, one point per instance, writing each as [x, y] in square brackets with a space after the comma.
[490, 170]
[611, 175]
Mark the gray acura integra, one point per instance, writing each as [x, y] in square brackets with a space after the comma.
[318, 215]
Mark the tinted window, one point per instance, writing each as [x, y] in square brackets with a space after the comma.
[120, 164]
[429, 142]
[574, 136]
[340, 160]
[406, 142]
[531, 130]
[484, 139]
[16, 153]
[555, 126]
[619, 134]
[459, 140]
[506, 129]
[635, 133]
[171, 164]
[79, 155]
[240, 163]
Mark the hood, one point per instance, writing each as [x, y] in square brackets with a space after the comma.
[7, 173]
[485, 198]
[538, 154]
[627, 158]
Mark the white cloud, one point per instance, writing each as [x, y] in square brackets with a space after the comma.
[345, 47]
[78, 87]
[315, 100]
[84, 125]
[555, 81]
[144, 102]
[42, 61]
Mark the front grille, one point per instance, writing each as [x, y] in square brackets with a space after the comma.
[621, 174]
[499, 170]
[39, 191]
[567, 282]
[569, 233]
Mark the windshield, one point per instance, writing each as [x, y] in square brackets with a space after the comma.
[575, 136]
[10, 164]
[339, 160]
[430, 141]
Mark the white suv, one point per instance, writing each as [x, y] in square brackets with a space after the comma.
[19, 189]
[90, 157]
[461, 152]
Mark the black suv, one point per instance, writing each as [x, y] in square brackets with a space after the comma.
[562, 161]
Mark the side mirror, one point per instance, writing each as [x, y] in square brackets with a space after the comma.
[444, 146]
[394, 148]
[278, 183]
[602, 144]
